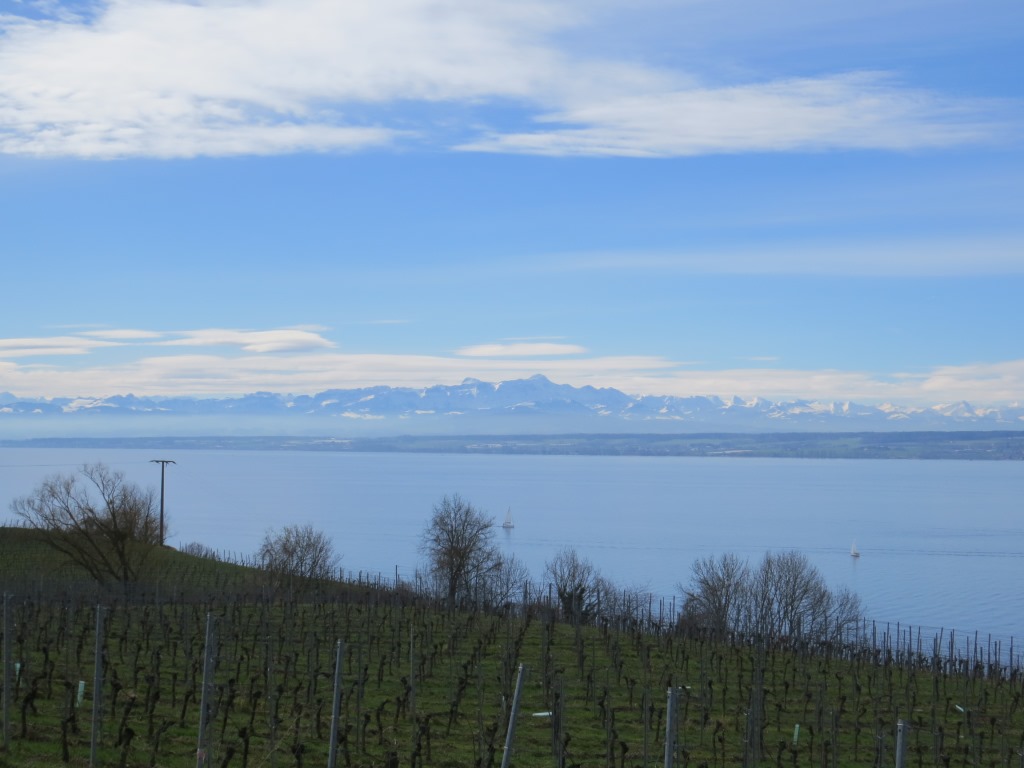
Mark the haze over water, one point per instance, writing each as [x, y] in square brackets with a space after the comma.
[941, 542]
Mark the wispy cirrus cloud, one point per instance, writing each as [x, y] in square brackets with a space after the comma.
[84, 342]
[859, 110]
[868, 255]
[173, 79]
[282, 340]
[53, 345]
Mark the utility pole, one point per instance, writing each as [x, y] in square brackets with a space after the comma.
[163, 467]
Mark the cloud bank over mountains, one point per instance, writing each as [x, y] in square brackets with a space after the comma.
[219, 363]
[535, 405]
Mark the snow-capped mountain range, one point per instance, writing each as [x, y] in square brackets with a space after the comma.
[533, 405]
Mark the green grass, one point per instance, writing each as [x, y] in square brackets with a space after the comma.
[27, 564]
[433, 688]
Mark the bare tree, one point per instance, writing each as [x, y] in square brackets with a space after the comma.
[843, 615]
[459, 543]
[96, 519]
[508, 580]
[784, 597]
[298, 553]
[717, 593]
[790, 597]
[198, 549]
[577, 583]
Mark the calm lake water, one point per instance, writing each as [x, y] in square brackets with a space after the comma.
[941, 542]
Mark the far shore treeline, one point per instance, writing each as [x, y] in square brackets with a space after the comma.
[966, 445]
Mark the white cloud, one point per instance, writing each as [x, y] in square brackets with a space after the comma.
[56, 345]
[1002, 381]
[163, 78]
[173, 79]
[298, 339]
[521, 349]
[283, 340]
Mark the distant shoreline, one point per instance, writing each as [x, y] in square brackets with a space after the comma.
[971, 446]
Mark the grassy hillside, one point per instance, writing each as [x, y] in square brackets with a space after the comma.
[28, 565]
[421, 686]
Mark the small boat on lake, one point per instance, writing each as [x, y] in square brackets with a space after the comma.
[854, 552]
[508, 524]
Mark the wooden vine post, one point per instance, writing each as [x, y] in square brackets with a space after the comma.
[97, 689]
[332, 760]
[204, 750]
[510, 734]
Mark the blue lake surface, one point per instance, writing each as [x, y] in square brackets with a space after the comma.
[941, 542]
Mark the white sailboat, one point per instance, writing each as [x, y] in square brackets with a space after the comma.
[854, 552]
[508, 524]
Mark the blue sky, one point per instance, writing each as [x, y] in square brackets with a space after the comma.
[788, 200]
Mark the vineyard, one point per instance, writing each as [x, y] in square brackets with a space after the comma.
[244, 678]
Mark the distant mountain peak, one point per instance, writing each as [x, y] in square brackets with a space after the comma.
[530, 405]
